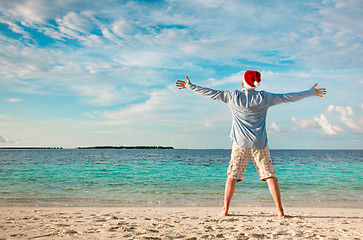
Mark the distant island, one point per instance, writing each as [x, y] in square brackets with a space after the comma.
[96, 147]
[26, 148]
[126, 147]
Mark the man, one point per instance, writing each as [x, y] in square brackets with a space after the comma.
[248, 133]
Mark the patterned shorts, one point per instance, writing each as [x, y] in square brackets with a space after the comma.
[261, 159]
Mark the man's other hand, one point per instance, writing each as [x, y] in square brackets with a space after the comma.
[181, 84]
[319, 91]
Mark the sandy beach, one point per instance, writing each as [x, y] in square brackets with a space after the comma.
[178, 223]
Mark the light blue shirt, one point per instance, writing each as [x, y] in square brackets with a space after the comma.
[249, 109]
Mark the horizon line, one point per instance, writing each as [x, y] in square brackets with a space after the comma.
[105, 147]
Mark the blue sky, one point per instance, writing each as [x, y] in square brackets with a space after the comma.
[84, 73]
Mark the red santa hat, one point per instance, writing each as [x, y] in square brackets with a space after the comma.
[251, 79]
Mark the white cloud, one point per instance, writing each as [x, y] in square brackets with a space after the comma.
[341, 16]
[275, 129]
[122, 28]
[170, 107]
[106, 95]
[160, 103]
[73, 22]
[106, 33]
[7, 117]
[31, 11]
[320, 122]
[14, 100]
[348, 117]
[235, 78]
[305, 123]
[4, 140]
[335, 36]
[98, 95]
[209, 3]
[7, 140]
[327, 127]
[14, 27]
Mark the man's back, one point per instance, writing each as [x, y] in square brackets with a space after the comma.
[249, 110]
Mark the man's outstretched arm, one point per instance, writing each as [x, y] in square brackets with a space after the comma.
[205, 92]
[275, 99]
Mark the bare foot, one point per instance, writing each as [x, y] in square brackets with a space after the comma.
[281, 214]
[223, 212]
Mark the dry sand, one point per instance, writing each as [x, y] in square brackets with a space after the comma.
[178, 223]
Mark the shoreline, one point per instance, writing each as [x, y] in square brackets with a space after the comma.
[179, 222]
[87, 203]
[327, 211]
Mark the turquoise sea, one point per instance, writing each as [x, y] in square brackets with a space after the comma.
[174, 177]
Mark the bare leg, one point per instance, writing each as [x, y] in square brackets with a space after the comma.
[273, 185]
[229, 191]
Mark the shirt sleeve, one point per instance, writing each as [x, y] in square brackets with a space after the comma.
[275, 99]
[222, 96]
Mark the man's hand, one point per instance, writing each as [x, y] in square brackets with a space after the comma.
[319, 91]
[181, 84]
